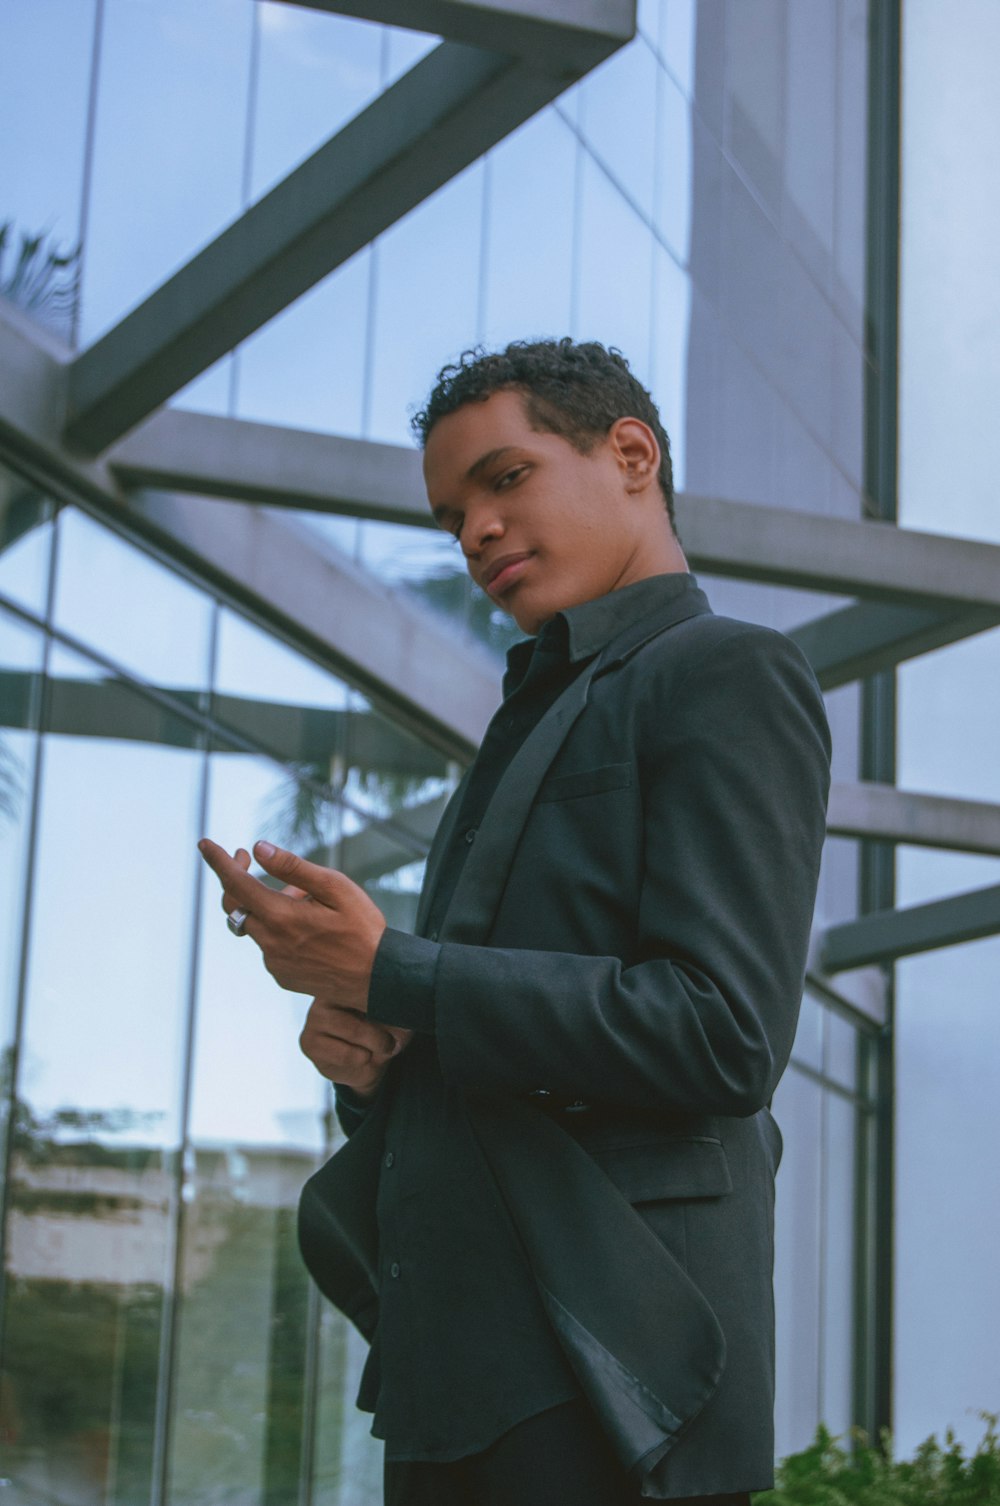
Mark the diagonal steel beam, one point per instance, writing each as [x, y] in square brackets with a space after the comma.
[876, 561]
[890, 934]
[563, 33]
[871, 636]
[891, 567]
[279, 467]
[887, 814]
[282, 572]
[446, 112]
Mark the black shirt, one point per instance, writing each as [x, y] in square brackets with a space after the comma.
[463, 1350]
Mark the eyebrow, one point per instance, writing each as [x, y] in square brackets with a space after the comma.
[475, 470]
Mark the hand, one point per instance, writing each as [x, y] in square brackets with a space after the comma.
[348, 1048]
[319, 935]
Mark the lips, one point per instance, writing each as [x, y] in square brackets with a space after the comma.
[503, 572]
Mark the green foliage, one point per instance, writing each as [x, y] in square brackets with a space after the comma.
[829, 1474]
[43, 276]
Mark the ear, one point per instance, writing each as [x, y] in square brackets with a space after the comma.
[635, 447]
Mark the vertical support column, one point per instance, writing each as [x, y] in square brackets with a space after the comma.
[873, 1398]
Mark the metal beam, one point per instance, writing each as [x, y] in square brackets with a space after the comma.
[884, 813]
[871, 636]
[566, 33]
[435, 120]
[878, 561]
[895, 567]
[282, 571]
[279, 467]
[888, 935]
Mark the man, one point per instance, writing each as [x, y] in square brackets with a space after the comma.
[553, 1214]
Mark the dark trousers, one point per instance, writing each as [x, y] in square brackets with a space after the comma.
[558, 1458]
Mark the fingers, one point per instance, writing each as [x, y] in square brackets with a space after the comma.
[313, 879]
[244, 891]
[330, 1022]
[345, 1047]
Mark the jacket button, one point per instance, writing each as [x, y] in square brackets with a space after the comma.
[433, 936]
[390, 1159]
[394, 1270]
[470, 835]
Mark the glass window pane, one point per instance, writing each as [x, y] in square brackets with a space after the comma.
[173, 77]
[93, 1174]
[798, 1110]
[45, 68]
[839, 1238]
[306, 367]
[614, 310]
[617, 118]
[671, 324]
[315, 71]
[529, 251]
[673, 167]
[125, 605]
[431, 260]
[257, 1125]
[20, 702]
[678, 22]
[26, 527]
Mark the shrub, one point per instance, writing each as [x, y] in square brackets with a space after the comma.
[828, 1474]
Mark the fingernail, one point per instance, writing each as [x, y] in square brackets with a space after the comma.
[265, 849]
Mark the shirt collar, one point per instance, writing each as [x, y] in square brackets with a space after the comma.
[582, 631]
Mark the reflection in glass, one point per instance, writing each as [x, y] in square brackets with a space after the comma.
[839, 1243]
[529, 247]
[614, 310]
[123, 604]
[20, 703]
[93, 1166]
[798, 1105]
[617, 108]
[25, 542]
[45, 68]
[172, 77]
[316, 70]
[430, 259]
[306, 367]
[674, 168]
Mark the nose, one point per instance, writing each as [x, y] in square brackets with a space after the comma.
[482, 524]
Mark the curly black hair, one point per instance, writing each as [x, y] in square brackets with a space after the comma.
[575, 390]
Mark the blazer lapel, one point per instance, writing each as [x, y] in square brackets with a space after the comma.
[477, 897]
[439, 846]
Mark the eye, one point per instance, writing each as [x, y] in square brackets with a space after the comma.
[509, 477]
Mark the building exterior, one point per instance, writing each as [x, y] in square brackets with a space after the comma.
[227, 615]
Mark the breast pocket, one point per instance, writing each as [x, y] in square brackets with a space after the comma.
[609, 776]
[667, 1181]
[681, 1167]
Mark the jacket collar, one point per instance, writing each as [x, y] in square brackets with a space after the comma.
[477, 897]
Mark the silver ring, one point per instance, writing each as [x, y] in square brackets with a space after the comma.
[236, 920]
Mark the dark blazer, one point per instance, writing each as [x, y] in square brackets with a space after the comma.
[630, 932]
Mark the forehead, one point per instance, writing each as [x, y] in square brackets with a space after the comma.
[462, 447]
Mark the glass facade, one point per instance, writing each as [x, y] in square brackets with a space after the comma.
[698, 200]
[159, 1331]
[948, 1030]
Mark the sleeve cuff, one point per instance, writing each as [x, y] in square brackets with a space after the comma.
[402, 986]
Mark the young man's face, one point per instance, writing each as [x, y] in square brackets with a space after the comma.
[541, 526]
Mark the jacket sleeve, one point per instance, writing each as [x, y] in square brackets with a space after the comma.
[734, 774]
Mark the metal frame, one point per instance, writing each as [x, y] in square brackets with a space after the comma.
[886, 935]
[435, 120]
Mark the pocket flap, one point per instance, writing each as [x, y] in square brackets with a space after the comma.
[678, 1167]
[610, 776]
